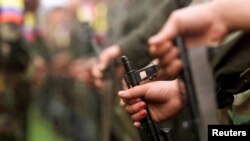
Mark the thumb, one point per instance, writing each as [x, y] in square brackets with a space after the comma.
[112, 52]
[167, 33]
[135, 92]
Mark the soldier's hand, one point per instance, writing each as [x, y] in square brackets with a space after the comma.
[80, 69]
[40, 71]
[163, 100]
[168, 56]
[199, 25]
[59, 63]
[106, 56]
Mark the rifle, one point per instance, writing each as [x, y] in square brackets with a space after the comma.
[108, 126]
[149, 131]
[200, 88]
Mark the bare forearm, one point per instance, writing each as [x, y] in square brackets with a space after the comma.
[234, 13]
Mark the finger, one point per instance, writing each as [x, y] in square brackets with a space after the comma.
[110, 53]
[103, 61]
[97, 71]
[99, 83]
[135, 92]
[168, 32]
[137, 124]
[134, 108]
[139, 116]
[169, 57]
[122, 103]
[158, 51]
[131, 101]
[174, 68]
[102, 64]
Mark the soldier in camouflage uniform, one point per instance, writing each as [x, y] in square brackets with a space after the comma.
[132, 32]
[15, 87]
[231, 64]
[132, 40]
[67, 103]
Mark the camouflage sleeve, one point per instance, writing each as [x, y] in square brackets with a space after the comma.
[232, 74]
[231, 67]
[134, 45]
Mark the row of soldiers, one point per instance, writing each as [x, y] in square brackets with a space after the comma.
[45, 77]
[41, 95]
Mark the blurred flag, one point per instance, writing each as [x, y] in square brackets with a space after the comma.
[11, 11]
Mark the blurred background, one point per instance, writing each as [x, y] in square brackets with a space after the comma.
[47, 50]
[46, 87]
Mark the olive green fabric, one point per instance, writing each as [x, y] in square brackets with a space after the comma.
[14, 83]
[134, 45]
[239, 112]
[127, 15]
[70, 106]
[144, 19]
[231, 69]
[14, 53]
[229, 63]
[227, 67]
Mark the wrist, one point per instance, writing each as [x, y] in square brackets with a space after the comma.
[219, 8]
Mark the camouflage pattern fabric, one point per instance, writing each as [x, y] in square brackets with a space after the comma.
[14, 83]
[231, 69]
[70, 106]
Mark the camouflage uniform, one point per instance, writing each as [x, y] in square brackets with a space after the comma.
[231, 69]
[134, 45]
[14, 85]
[133, 32]
[70, 106]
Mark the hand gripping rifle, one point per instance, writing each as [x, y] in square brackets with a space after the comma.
[108, 126]
[149, 131]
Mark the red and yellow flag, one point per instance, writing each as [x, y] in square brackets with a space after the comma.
[11, 11]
